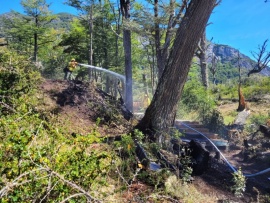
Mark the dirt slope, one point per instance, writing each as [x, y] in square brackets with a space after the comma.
[82, 107]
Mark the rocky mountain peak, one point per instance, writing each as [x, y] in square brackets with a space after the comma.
[228, 54]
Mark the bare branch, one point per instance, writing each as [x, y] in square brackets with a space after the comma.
[121, 176]
[49, 188]
[172, 23]
[218, 2]
[116, 33]
[7, 106]
[73, 185]
[72, 196]
[12, 184]
[262, 57]
[16, 182]
[163, 197]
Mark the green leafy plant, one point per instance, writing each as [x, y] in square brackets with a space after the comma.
[195, 99]
[138, 135]
[187, 170]
[213, 120]
[239, 181]
[259, 119]
[126, 152]
[38, 160]
[155, 178]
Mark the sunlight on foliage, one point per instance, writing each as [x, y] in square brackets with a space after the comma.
[239, 181]
[186, 192]
[37, 160]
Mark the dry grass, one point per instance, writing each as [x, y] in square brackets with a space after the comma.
[188, 193]
[228, 110]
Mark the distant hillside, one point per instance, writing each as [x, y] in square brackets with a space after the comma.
[229, 55]
[63, 20]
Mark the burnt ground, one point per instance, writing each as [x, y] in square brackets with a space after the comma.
[81, 105]
[217, 179]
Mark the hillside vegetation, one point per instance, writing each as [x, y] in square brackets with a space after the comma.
[55, 148]
[72, 141]
[58, 148]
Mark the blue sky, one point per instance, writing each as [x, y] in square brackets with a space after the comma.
[57, 6]
[242, 24]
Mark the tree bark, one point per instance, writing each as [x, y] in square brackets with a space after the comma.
[36, 39]
[90, 32]
[162, 51]
[241, 101]
[201, 54]
[159, 55]
[125, 9]
[90, 44]
[160, 115]
[213, 66]
[35, 47]
[128, 70]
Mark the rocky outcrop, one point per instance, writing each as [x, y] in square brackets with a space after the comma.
[229, 54]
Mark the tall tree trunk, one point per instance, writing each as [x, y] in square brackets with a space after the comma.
[90, 45]
[36, 41]
[117, 41]
[117, 31]
[125, 9]
[153, 72]
[160, 115]
[159, 56]
[241, 103]
[201, 54]
[241, 98]
[203, 62]
[128, 70]
[90, 32]
[213, 66]
[35, 46]
[162, 51]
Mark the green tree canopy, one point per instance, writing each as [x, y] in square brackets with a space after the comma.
[27, 32]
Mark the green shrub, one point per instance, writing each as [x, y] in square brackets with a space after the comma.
[38, 161]
[18, 82]
[239, 181]
[259, 119]
[195, 98]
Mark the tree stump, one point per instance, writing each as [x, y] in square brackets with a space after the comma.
[201, 156]
[242, 104]
[265, 130]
